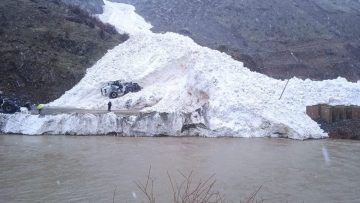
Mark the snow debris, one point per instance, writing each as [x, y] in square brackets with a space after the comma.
[179, 76]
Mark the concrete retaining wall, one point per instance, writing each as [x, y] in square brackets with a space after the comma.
[331, 114]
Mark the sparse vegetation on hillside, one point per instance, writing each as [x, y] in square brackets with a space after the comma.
[46, 46]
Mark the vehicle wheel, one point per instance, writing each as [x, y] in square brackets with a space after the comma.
[113, 95]
[7, 108]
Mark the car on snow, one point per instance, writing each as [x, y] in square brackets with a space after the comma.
[119, 88]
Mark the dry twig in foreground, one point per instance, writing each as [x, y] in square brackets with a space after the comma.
[190, 191]
[147, 190]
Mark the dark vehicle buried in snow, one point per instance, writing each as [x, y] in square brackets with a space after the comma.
[9, 105]
[119, 88]
[12, 105]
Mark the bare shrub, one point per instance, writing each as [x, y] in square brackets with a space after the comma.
[86, 18]
[188, 190]
[147, 188]
[252, 197]
[185, 191]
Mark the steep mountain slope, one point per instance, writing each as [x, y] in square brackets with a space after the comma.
[46, 46]
[316, 39]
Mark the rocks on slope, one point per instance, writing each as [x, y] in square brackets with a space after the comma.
[317, 39]
[345, 129]
[92, 6]
[46, 46]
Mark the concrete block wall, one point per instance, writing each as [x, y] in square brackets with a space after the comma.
[332, 114]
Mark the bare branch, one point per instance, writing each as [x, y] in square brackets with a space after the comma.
[188, 190]
[114, 194]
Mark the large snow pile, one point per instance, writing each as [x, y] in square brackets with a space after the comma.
[178, 75]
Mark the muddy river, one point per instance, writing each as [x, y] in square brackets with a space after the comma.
[103, 169]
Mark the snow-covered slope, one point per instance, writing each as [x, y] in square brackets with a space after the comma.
[180, 76]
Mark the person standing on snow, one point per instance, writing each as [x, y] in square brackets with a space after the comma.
[39, 108]
[109, 106]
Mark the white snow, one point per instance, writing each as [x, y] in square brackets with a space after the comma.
[178, 75]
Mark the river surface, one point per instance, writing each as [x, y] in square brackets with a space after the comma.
[90, 169]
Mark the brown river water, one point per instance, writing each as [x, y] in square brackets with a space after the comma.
[90, 169]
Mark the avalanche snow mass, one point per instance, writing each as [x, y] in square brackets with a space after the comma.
[179, 76]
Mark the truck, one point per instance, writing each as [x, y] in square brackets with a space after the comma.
[119, 88]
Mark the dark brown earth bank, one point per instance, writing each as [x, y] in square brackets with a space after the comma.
[346, 129]
[46, 46]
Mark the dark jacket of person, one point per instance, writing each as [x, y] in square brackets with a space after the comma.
[109, 106]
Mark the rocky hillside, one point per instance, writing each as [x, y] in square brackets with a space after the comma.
[46, 46]
[91, 6]
[316, 39]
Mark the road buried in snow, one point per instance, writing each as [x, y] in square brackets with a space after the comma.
[62, 110]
